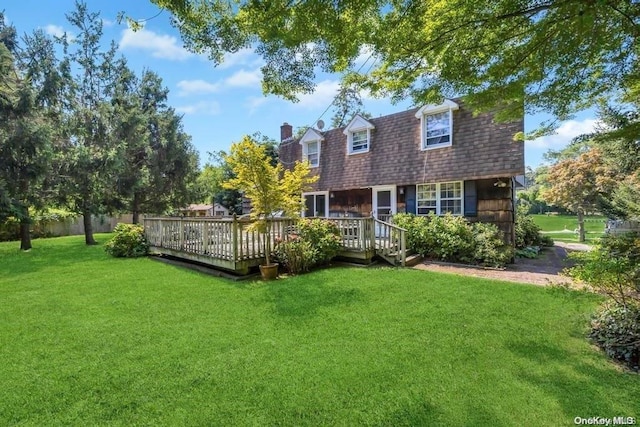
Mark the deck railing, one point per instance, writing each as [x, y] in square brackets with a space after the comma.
[391, 241]
[233, 240]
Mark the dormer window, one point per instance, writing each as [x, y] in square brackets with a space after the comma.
[358, 133]
[436, 125]
[311, 142]
[313, 154]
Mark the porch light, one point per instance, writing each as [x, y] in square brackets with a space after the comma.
[401, 190]
[332, 195]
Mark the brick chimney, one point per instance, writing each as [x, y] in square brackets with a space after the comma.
[286, 131]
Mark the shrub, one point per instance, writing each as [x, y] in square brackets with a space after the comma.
[616, 329]
[323, 235]
[527, 232]
[294, 254]
[452, 238]
[419, 238]
[612, 267]
[489, 246]
[315, 242]
[129, 241]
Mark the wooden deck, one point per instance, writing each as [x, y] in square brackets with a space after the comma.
[230, 244]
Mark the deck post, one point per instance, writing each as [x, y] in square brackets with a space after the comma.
[161, 231]
[181, 234]
[372, 231]
[205, 237]
[234, 233]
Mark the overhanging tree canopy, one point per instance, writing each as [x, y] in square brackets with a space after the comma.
[559, 56]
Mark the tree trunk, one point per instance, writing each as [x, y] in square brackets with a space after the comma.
[136, 208]
[88, 228]
[25, 234]
[581, 232]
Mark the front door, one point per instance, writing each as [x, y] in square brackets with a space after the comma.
[384, 204]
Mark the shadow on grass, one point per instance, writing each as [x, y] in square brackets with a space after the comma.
[300, 298]
[418, 413]
[579, 388]
[55, 252]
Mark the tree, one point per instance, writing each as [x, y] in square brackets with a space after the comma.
[269, 187]
[90, 158]
[347, 104]
[579, 184]
[25, 141]
[558, 56]
[159, 162]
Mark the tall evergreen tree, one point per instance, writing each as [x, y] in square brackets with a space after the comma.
[25, 141]
[90, 160]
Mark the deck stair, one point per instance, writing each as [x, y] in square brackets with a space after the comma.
[391, 243]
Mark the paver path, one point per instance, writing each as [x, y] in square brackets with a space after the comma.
[544, 270]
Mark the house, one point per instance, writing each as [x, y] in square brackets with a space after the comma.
[199, 210]
[438, 158]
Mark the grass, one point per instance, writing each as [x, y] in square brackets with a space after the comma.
[561, 227]
[91, 340]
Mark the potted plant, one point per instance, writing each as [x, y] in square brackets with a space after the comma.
[270, 188]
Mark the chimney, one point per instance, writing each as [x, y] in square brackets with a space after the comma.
[286, 131]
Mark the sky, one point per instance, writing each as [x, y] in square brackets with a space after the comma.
[222, 104]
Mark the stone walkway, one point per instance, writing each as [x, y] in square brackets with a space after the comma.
[544, 270]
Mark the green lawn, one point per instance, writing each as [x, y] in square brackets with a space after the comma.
[561, 227]
[90, 340]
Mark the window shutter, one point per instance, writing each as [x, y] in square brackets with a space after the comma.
[470, 199]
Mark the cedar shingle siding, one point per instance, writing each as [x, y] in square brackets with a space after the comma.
[481, 149]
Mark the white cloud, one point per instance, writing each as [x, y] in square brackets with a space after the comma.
[107, 23]
[324, 94]
[564, 134]
[159, 45]
[57, 31]
[255, 102]
[210, 108]
[196, 87]
[244, 78]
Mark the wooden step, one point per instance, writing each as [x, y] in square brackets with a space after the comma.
[413, 259]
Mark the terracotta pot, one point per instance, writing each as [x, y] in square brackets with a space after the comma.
[269, 272]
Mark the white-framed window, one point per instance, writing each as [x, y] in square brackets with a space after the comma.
[359, 141]
[440, 198]
[316, 204]
[311, 143]
[358, 133]
[437, 129]
[313, 154]
[436, 125]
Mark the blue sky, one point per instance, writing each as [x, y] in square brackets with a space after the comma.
[221, 104]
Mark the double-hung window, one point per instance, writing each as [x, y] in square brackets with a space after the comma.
[311, 143]
[313, 154]
[436, 125]
[440, 198]
[437, 130]
[358, 133]
[359, 141]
